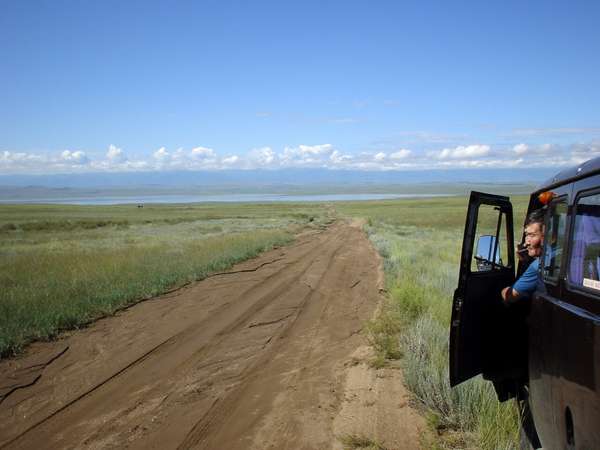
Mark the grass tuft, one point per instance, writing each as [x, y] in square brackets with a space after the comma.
[381, 334]
[353, 441]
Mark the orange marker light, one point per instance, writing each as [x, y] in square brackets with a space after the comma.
[546, 197]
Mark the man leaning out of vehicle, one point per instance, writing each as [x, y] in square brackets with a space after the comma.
[527, 283]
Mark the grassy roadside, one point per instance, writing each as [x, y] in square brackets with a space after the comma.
[64, 266]
[420, 243]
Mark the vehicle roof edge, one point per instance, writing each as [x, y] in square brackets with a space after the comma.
[571, 174]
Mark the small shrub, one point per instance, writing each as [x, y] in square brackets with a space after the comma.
[8, 227]
[353, 441]
[382, 333]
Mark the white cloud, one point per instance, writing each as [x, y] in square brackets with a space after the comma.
[202, 153]
[583, 152]
[338, 159]
[115, 154]
[230, 160]
[20, 161]
[544, 149]
[462, 152]
[306, 155]
[475, 156]
[178, 155]
[197, 158]
[482, 163]
[161, 154]
[520, 149]
[261, 157]
[313, 149]
[401, 154]
[77, 157]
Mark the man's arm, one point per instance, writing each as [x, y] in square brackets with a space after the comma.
[524, 286]
[510, 295]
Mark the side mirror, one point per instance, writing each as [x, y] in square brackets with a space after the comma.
[484, 255]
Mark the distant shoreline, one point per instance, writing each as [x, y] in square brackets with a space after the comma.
[222, 198]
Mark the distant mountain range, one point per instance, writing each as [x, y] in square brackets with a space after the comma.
[298, 178]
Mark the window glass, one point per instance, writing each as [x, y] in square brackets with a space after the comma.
[490, 248]
[584, 267]
[554, 239]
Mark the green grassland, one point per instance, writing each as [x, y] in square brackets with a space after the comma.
[420, 242]
[64, 266]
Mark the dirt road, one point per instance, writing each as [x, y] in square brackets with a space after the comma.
[268, 355]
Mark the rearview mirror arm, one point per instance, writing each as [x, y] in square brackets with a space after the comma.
[498, 228]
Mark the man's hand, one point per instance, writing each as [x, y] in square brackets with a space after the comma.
[509, 295]
[522, 253]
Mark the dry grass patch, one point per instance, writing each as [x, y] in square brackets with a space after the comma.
[353, 441]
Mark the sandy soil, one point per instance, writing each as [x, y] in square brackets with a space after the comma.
[267, 356]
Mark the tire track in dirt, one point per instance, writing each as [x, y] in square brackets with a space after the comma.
[201, 435]
[250, 358]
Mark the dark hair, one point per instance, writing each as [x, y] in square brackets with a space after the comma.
[535, 216]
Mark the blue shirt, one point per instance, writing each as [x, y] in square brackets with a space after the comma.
[528, 282]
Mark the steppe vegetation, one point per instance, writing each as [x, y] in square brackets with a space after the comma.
[64, 266]
[420, 242]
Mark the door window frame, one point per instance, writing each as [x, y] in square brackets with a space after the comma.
[501, 235]
[570, 286]
[554, 281]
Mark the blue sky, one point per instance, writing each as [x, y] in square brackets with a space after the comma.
[128, 86]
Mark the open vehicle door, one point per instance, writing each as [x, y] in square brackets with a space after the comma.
[485, 334]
